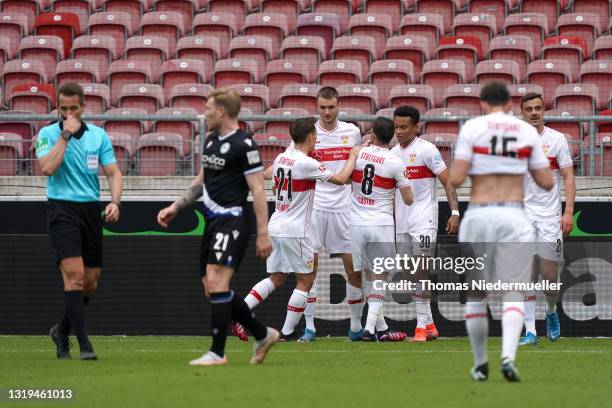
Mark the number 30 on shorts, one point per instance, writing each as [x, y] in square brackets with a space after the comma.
[425, 241]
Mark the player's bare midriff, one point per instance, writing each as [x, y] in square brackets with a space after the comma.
[492, 188]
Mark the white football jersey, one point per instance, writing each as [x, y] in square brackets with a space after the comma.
[295, 178]
[376, 175]
[499, 143]
[423, 162]
[545, 205]
[332, 150]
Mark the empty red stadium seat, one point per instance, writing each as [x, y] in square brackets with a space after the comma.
[300, 96]
[149, 97]
[11, 152]
[345, 112]
[252, 47]
[81, 8]
[395, 9]
[282, 127]
[284, 72]
[272, 139]
[386, 74]
[603, 146]
[169, 25]
[378, 26]
[48, 49]
[603, 127]
[517, 48]
[186, 8]
[577, 99]
[223, 26]
[271, 25]
[564, 48]
[189, 96]
[289, 8]
[186, 129]
[134, 8]
[598, 73]
[13, 29]
[583, 25]
[254, 97]
[97, 98]
[549, 74]
[339, 72]
[498, 8]
[181, 71]
[603, 47]
[158, 153]
[238, 8]
[481, 26]
[76, 70]
[25, 128]
[464, 48]
[415, 49]
[444, 142]
[270, 149]
[356, 47]
[359, 96]
[428, 25]
[149, 49]
[445, 8]
[117, 25]
[417, 95]
[324, 25]
[550, 8]
[341, 8]
[133, 127]
[440, 74]
[123, 149]
[517, 91]
[309, 49]
[26, 9]
[247, 126]
[203, 48]
[236, 71]
[38, 98]
[122, 72]
[466, 97]
[502, 70]
[533, 25]
[573, 128]
[433, 125]
[18, 72]
[63, 25]
[599, 7]
[99, 49]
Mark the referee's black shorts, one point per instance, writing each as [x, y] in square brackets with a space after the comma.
[225, 241]
[75, 229]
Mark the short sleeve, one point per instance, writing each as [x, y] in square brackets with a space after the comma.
[250, 162]
[463, 150]
[400, 174]
[537, 158]
[356, 137]
[44, 143]
[564, 156]
[433, 160]
[316, 171]
[107, 155]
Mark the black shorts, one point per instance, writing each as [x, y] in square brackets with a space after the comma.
[75, 229]
[224, 242]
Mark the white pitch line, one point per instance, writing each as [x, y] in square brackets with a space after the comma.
[318, 351]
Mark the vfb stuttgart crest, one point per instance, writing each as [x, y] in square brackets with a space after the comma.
[412, 158]
[345, 139]
[546, 149]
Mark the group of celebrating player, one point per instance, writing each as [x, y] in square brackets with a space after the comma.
[357, 202]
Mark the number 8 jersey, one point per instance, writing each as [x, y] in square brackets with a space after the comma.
[295, 177]
[377, 174]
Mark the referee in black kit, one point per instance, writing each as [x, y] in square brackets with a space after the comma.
[231, 166]
[69, 152]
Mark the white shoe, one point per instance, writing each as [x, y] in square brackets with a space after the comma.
[261, 347]
[209, 359]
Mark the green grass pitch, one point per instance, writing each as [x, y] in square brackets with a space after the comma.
[332, 372]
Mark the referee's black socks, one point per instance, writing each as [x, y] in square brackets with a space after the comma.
[221, 307]
[75, 311]
[243, 315]
[64, 326]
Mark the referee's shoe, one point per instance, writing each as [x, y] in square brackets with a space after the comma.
[62, 343]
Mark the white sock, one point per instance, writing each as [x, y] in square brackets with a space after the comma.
[512, 324]
[530, 312]
[381, 324]
[477, 325]
[375, 309]
[259, 293]
[311, 309]
[421, 313]
[429, 319]
[295, 308]
[354, 298]
[551, 302]
[367, 288]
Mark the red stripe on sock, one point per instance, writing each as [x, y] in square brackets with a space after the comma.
[530, 298]
[311, 300]
[257, 295]
[515, 309]
[295, 309]
[354, 301]
[375, 296]
[475, 315]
